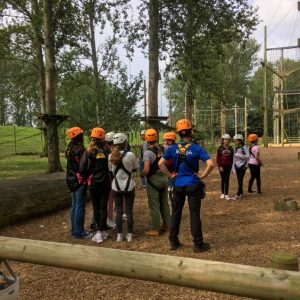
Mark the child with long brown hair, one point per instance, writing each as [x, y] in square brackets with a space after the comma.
[75, 182]
[122, 163]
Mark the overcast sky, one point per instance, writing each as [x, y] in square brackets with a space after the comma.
[282, 19]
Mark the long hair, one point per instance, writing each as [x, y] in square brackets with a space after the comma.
[76, 145]
[115, 156]
[95, 145]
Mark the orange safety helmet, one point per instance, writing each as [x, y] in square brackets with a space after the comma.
[73, 132]
[183, 124]
[151, 135]
[98, 133]
[252, 137]
[170, 136]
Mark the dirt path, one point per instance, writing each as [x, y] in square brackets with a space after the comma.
[244, 232]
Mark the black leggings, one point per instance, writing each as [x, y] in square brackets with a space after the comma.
[225, 176]
[99, 195]
[128, 197]
[255, 174]
[240, 174]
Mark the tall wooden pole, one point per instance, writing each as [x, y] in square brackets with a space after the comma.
[223, 118]
[282, 117]
[235, 119]
[170, 108]
[145, 102]
[266, 135]
[235, 279]
[246, 118]
[212, 120]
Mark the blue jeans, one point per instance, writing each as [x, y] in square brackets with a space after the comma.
[141, 168]
[78, 212]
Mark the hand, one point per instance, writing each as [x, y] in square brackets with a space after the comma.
[172, 175]
[221, 169]
[200, 176]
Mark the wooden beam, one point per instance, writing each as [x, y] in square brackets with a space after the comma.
[242, 280]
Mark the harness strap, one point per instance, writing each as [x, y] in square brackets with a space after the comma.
[182, 158]
[121, 166]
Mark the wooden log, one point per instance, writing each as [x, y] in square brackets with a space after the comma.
[242, 280]
[279, 205]
[34, 196]
[284, 261]
[291, 205]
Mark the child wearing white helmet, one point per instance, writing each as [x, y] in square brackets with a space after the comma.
[239, 166]
[224, 161]
[122, 163]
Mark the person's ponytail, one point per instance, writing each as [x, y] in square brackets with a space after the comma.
[115, 156]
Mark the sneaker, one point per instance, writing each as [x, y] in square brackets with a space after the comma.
[227, 197]
[98, 237]
[144, 187]
[119, 237]
[236, 197]
[152, 232]
[175, 245]
[201, 247]
[222, 196]
[79, 237]
[129, 237]
[251, 192]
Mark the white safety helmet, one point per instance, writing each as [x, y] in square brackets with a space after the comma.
[143, 132]
[238, 137]
[226, 136]
[119, 138]
[109, 136]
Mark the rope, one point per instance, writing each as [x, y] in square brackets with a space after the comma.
[21, 139]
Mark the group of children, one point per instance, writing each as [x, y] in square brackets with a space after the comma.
[105, 169]
[236, 161]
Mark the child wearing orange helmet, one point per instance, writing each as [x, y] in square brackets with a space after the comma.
[95, 167]
[254, 164]
[75, 182]
[157, 185]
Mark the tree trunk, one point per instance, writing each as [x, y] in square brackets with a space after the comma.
[94, 58]
[153, 58]
[25, 198]
[51, 85]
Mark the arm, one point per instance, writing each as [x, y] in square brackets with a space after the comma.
[146, 168]
[209, 167]
[163, 168]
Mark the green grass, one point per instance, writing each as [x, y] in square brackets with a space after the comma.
[18, 166]
[28, 140]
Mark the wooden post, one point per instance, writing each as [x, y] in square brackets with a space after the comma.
[145, 102]
[282, 116]
[235, 119]
[223, 118]
[170, 108]
[235, 279]
[246, 118]
[212, 121]
[265, 104]
[15, 139]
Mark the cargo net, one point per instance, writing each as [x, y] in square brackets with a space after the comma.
[285, 64]
[205, 120]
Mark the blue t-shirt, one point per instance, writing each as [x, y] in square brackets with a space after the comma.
[185, 175]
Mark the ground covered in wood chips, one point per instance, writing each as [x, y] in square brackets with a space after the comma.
[243, 232]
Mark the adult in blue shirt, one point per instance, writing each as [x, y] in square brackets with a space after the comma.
[187, 182]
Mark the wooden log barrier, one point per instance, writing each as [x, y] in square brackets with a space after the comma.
[33, 196]
[242, 280]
